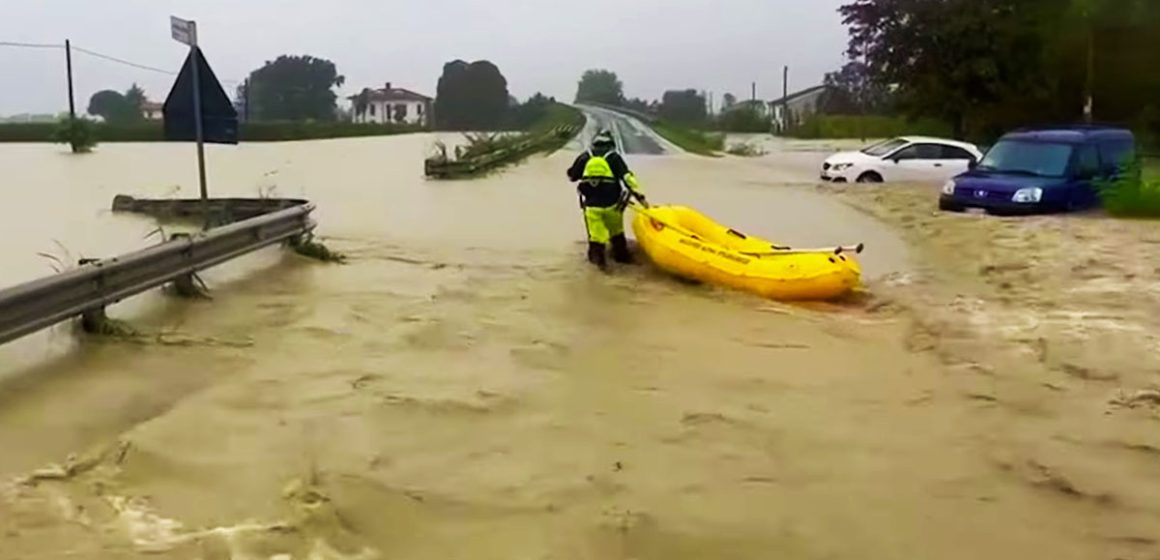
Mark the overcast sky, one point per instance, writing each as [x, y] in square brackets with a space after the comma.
[539, 45]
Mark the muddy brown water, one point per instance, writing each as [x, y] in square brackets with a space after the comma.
[466, 386]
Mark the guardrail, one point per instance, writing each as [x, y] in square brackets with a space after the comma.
[221, 210]
[445, 169]
[87, 290]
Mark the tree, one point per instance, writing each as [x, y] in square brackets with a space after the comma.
[745, 118]
[361, 103]
[973, 63]
[113, 107]
[728, 100]
[135, 96]
[987, 65]
[526, 114]
[852, 90]
[684, 106]
[471, 96]
[600, 86]
[294, 88]
[640, 105]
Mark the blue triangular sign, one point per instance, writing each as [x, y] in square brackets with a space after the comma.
[218, 116]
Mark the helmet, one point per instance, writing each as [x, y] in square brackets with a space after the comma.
[603, 139]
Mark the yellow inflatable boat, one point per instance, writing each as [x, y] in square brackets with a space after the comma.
[688, 244]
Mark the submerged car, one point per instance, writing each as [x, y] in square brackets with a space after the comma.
[1034, 170]
[907, 158]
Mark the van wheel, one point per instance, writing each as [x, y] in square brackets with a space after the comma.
[869, 177]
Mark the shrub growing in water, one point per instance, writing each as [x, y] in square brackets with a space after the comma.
[77, 133]
[1133, 195]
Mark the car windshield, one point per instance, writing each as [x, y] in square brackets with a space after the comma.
[1028, 158]
[882, 148]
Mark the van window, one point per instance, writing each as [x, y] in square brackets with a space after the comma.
[1041, 159]
[1117, 155]
[1087, 161]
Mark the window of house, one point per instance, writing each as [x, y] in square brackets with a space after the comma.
[419, 109]
[371, 109]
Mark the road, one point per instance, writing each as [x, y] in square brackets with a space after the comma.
[632, 136]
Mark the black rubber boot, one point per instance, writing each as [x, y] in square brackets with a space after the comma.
[596, 256]
[620, 252]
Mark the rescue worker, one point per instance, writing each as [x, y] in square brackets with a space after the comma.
[606, 184]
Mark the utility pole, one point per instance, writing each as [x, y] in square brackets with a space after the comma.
[1089, 86]
[246, 114]
[785, 98]
[72, 105]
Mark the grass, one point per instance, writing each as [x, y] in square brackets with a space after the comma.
[1152, 168]
[690, 139]
[835, 127]
[250, 132]
[313, 249]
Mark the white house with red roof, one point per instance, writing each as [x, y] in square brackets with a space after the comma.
[391, 105]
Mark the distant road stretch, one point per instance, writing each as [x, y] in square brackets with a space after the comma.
[632, 136]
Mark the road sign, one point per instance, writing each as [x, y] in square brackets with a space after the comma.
[219, 118]
[183, 31]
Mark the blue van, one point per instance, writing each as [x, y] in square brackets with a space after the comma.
[1036, 170]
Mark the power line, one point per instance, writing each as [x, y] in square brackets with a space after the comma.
[123, 61]
[30, 45]
[103, 56]
[135, 64]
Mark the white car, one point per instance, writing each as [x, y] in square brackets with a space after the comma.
[907, 158]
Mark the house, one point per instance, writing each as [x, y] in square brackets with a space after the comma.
[801, 105]
[151, 111]
[391, 105]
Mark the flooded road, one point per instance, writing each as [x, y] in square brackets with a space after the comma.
[632, 136]
[468, 381]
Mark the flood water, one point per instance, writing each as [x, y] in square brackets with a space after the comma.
[467, 386]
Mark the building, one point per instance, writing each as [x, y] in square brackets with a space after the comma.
[801, 106]
[391, 105]
[152, 111]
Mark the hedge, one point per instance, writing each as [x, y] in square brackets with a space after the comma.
[250, 132]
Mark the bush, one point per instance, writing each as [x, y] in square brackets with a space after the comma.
[743, 120]
[77, 133]
[1135, 195]
[250, 132]
[830, 127]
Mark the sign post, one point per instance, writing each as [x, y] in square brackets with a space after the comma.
[185, 32]
[198, 108]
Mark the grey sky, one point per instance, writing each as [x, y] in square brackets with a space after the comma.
[539, 45]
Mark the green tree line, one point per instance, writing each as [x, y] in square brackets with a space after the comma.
[984, 66]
